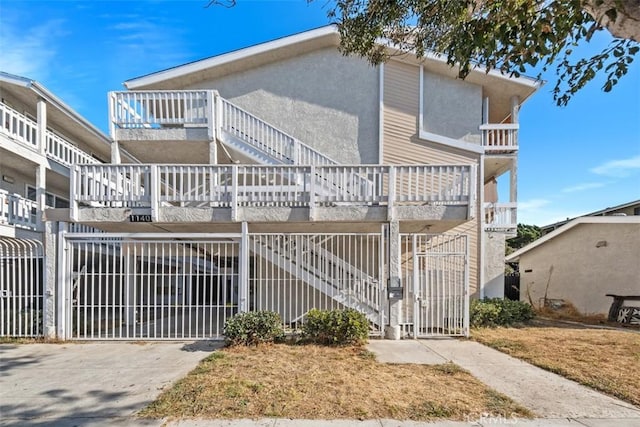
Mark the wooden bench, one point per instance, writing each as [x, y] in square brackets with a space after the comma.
[617, 304]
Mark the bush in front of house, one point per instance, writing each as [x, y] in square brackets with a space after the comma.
[253, 328]
[335, 327]
[499, 312]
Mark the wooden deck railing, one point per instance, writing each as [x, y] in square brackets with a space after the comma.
[17, 211]
[24, 131]
[234, 186]
[501, 216]
[500, 137]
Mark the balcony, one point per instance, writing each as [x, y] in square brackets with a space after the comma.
[501, 217]
[234, 193]
[500, 138]
[17, 211]
[24, 131]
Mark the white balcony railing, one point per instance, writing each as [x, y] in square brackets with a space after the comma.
[153, 109]
[234, 186]
[500, 137]
[18, 211]
[268, 138]
[501, 216]
[24, 131]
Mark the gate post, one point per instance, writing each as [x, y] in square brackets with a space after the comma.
[58, 275]
[393, 330]
[49, 275]
[243, 267]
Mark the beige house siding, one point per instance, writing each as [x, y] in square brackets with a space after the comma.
[401, 145]
[583, 264]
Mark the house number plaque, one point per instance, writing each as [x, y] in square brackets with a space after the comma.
[139, 218]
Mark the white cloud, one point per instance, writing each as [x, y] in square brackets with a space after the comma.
[29, 51]
[543, 212]
[583, 187]
[618, 168]
[533, 204]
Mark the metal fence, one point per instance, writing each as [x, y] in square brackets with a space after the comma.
[21, 288]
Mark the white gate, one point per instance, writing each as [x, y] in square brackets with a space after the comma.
[435, 271]
[149, 286]
[21, 286]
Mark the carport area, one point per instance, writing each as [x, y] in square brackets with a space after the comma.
[89, 384]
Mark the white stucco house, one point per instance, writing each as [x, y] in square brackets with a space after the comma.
[286, 177]
[581, 262]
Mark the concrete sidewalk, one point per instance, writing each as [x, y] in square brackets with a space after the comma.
[89, 384]
[546, 394]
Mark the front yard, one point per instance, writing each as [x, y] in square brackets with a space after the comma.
[311, 381]
[606, 360]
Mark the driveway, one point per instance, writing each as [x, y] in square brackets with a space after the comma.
[94, 384]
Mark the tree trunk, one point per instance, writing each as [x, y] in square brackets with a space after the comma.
[620, 17]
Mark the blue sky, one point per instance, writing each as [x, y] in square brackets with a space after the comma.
[573, 160]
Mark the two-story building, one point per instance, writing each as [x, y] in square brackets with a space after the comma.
[286, 176]
[40, 139]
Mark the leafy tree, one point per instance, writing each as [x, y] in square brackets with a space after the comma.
[507, 35]
[526, 234]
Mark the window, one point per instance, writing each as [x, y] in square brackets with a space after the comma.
[52, 200]
[636, 211]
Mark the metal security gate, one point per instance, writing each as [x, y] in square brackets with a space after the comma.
[294, 273]
[21, 288]
[435, 270]
[149, 286]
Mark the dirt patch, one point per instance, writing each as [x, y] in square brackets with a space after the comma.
[316, 382]
[606, 360]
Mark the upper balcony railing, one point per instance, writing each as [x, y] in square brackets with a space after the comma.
[24, 131]
[500, 138]
[155, 109]
[501, 217]
[17, 211]
[205, 108]
[235, 186]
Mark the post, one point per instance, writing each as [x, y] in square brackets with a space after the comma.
[41, 109]
[49, 276]
[234, 193]
[393, 330]
[211, 115]
[63, 276]
[219, 115]
[154, 193]
[312, 193]
[73, 193]
[243, 273]
[41, 194]
[392, 193]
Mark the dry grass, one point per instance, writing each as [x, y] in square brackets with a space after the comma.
[605, 360]
[317, 382]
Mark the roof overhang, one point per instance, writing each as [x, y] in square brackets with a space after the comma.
[53, 101]
[493, 82]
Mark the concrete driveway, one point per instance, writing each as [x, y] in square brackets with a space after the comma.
[78, 384]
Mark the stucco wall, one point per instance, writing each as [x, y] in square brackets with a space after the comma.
[494, 265]
[578, 271]
[324, 99]
[452, 108]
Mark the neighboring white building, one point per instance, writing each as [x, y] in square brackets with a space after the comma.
[286, 176]
[581, 262]
[40, 138]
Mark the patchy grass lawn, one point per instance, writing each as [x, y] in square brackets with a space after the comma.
[318, 382]
[605, 360]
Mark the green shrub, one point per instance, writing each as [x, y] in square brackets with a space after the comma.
[253, 328]
[335, 327]
[499, 312]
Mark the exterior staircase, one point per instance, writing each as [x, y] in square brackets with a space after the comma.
[322, 270]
